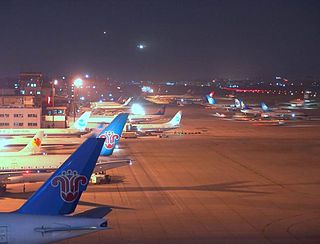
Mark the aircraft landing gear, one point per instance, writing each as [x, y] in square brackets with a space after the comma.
[108, 179]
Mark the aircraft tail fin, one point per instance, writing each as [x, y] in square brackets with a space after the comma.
[210, 100]
[237, 103]
[161, 111]
[175, 121]
[34, 145]
[112, 133]
[82, 122]
[60, 194]
[243, 105]
[128, 101]
[264, 107]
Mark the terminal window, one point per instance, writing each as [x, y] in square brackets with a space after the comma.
[17, 124]
[32, 115]
[18, 115]
[4, 124]
[32, 124]
[4, 115]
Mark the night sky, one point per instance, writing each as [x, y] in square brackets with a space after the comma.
[184, 39]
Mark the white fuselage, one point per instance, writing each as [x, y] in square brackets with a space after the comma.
[37, 168]
[48, 132]
[24, 228]
[154, 127]
[132, 117]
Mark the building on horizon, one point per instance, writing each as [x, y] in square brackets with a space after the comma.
[29, 83]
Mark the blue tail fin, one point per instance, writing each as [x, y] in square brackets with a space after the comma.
[112, 133]
[82, 122]
[60, 194]
[161, 111]
[264, 107]
[211, 100]
[243, 105]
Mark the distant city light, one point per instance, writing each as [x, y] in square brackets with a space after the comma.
[82, 98]
[87, 76]
[104, 32]
[141, 46]
[55, 82]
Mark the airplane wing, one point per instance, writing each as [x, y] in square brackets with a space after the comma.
[104, 164]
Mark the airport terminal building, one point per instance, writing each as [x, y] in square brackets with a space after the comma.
[19, 112]
[20, 118]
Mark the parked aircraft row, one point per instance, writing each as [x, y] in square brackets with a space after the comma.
[27, 166]
[263, 110]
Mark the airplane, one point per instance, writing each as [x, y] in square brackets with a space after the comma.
[132, 117]
[110, 105]
[32, 148]
[253, 111]
[35, 168]
[148, 128]
[46, 216]
[301, 104]
[77, 129]
[278, 113]
[167, 99]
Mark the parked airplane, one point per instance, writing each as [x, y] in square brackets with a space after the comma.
[148, 128]
[35, 168]
[278, 113]
[182, 99]
[301, 104]
[76, 129]
[110, 105]
[33, 147]
[132, 117]
[43, 218]
[253, 111]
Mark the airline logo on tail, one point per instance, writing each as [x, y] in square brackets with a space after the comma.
[81, 123]
[111, 139]
[36, 142]
[69, 182]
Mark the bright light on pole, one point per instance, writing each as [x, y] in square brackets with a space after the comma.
[78, 82]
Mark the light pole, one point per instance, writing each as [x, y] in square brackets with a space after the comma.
[77, 83]
[53, 84]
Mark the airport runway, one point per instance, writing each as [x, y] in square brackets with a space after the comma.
[234, 183]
